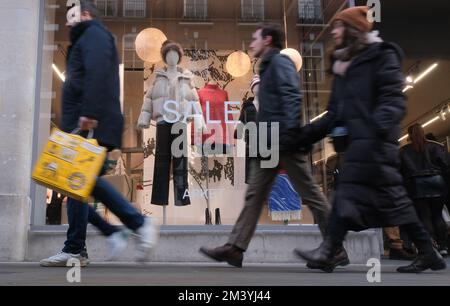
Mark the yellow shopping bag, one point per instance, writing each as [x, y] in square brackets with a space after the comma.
[70, 165]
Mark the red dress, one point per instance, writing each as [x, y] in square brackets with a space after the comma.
[220, 131]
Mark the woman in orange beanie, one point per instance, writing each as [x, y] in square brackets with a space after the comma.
[365, 110]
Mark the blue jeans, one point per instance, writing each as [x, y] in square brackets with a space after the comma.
[79, 214]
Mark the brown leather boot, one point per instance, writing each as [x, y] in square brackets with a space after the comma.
[229, 253]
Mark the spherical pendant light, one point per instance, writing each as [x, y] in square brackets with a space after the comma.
[295, 56]
[238, 64]
[149, 43]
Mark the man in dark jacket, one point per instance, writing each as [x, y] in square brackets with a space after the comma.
[279, 103]
[90, 102]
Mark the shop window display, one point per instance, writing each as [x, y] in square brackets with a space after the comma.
[213, 183]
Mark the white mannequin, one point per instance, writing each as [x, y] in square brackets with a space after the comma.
[172, 73]
[172, 59]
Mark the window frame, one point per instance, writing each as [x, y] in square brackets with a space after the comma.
[125, 2]
[309, 57]
[196, 16]
[244, 4]
[303, 12]
[104, 11]
[136, 60]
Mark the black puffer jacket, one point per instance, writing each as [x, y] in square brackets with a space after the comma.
[370, 103]
[92, 86]
[279, 97]
[433, 160]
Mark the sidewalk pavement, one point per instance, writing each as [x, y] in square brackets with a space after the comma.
[214, 274]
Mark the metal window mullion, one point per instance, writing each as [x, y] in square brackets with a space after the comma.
[263, 9]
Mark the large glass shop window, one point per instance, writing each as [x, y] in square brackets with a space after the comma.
[215, 71]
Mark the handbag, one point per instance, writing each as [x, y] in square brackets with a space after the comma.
[70, 164]
[427, 186]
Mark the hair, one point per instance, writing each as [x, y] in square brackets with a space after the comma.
[168, 46]
[90, 7]
[354, 39]
[275, 31]
[417, 137]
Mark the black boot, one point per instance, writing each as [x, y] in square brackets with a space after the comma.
[322, 256]
[340, 258]
[433, 261]
[208, 219]
[229, 253]
[218, 220]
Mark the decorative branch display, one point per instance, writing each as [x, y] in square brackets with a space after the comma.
[215, 68]
[229, 170]
[149, 147]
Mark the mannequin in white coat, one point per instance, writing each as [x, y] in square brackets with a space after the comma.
[172, 84]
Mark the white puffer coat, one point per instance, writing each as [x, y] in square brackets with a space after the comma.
[164, 89]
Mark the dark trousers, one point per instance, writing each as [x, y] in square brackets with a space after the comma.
[79, 214]
[337, 230]
[163, 161]
[430, 214]
[248, 162]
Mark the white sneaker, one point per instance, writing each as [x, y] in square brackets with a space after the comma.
[61, 259]
[148, 238]
[117, 243]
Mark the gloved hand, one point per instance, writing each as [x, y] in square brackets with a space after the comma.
[294, 140]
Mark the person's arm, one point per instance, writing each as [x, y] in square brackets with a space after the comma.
[402, 165]
[97, 52]
[319, 129]
[440, 156]
[390, 102]
[288, 82]
[146, 111]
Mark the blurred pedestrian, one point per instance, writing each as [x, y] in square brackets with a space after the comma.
[365, 110]
[424, 166]
[279, 103]
[90, 102]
